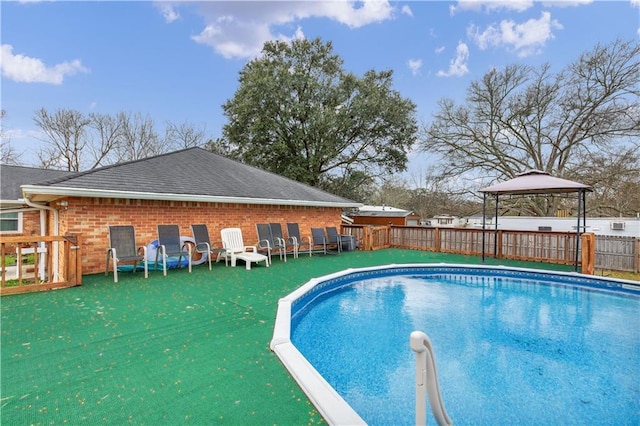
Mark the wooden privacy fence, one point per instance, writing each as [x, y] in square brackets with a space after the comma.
[369, 237]
[617, 253]
[56, 263]
[537, 246]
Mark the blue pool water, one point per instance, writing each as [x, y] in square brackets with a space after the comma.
[509, 349]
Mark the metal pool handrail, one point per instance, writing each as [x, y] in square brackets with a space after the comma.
[427, 381]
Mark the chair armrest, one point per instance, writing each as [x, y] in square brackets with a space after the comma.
[203, 247]
[293, 241]
[264, 243]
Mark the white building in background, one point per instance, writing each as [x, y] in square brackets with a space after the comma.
[447, 221]
[620, 226]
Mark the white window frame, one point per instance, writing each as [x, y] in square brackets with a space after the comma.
[17, 231]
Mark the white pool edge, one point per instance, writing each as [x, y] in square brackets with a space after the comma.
[333, 408]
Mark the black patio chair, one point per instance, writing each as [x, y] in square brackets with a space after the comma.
[279, 242]
[334, 239]
[204, 246]
[296, 241]
[123, 249]
[169, 246]
[319, 240]
[268, 242]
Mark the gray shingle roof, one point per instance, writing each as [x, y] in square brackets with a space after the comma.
[11, 177]
[190, 174]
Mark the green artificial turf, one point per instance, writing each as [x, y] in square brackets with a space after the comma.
[181, 349]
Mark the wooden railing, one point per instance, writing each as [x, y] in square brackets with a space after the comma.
[56, 263]
[369, 237]
[540, 246]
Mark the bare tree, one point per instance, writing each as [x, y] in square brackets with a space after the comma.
[393, 192]
[8, 154]
[186, 135]
[139, 138]
[65, 133]
[615, 177]
[106, 136]
[521, 118]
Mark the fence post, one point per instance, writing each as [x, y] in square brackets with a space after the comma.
[436, 238]
[588, 242]
[636, 260]
[366, 238]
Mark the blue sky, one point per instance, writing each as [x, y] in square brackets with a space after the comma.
[179, 61]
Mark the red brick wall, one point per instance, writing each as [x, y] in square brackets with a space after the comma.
[90, 217]
[30, 223]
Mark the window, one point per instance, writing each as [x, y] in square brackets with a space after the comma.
[11, 222]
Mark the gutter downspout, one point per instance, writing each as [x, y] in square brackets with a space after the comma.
[43, 232]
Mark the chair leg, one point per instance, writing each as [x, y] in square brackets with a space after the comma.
[146, 262]
[189, 259]
[164, 261]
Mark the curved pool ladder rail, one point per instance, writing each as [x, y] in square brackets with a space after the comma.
[427, 381]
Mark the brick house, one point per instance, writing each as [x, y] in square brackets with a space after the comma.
[384, 215]
[183, 187]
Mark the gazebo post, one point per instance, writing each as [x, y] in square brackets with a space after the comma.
[484, 215]
[575, 264]
[495, 231]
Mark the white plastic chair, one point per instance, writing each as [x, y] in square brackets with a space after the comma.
[235, 249]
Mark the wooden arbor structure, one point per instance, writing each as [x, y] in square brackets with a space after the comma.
[536, 182]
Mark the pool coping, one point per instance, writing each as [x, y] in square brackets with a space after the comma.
[334, 409]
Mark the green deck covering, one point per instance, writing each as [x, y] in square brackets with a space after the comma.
[181, 349]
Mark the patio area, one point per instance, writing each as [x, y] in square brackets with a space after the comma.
[181, 349]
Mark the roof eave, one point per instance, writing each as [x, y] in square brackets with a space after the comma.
[50, 193]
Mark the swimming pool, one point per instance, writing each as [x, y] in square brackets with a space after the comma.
[511, 345]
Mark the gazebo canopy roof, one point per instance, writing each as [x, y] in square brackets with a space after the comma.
[535, 182]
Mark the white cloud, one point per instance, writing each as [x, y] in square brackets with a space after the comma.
[489, 6]
[236, 30]
[25, 69]
[406, 10]
[22, 134]
[566, 3]
[524, 39]
[439, 50]
[415, 65]
[458, 65]
[168, 11]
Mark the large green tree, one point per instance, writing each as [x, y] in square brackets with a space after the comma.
[518, 118]
[297, 113]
